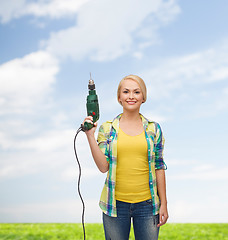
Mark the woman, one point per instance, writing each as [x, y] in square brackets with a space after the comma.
[130, 149]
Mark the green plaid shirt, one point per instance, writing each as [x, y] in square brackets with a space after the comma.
[107, 141]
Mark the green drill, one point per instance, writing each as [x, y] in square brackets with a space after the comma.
[91, 105]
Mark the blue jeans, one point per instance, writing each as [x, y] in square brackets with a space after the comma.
[144, 222]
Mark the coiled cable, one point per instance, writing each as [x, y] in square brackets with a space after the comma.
[79, 179]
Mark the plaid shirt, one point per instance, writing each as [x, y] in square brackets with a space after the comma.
[107, 141]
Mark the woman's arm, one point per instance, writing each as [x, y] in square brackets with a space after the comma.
[98, 155]
[161, 184]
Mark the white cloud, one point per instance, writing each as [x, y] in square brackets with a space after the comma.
[222, 102]
[68, 210]
[138, 55]
[106, 30]
[178, 162]
[11, 9]
[30, 162]
[195, 69]
[50, 150]
[49, 141]
[69, 174]
[183, 211]
[54, 8]
[202, 173]
[212, 103]
[26, 82]
[181, 81]
[153, 116]
[203, 168]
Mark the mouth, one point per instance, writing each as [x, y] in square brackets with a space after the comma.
[131, 102]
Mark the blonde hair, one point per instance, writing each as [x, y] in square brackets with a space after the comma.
[137, 79]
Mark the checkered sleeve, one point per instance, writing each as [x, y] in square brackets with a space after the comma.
[159, 146]
[102, 140]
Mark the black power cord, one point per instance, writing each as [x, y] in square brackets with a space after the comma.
[79, 178]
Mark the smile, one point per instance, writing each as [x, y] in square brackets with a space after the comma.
[131, 102]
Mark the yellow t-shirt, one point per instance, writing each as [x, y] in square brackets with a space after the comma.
[132, 173]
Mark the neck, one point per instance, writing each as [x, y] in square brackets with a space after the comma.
[130, 116]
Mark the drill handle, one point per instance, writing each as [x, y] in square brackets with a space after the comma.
[87, 126]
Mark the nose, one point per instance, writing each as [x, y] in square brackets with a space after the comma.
[131, 95]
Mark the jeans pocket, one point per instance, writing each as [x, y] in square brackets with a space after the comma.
[148, 202]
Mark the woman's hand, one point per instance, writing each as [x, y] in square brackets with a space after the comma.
[163, 215]
[89, 119]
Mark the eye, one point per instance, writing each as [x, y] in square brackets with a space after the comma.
[125, 91]
[137, 92]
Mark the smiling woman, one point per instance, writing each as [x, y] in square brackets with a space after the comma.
[130, 149]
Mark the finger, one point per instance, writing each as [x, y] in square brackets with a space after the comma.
[162, 221]
[88, 119]
[160, 224]
[160, 218]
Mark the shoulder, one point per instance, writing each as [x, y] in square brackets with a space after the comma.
[151, 124]
[104, 131]
[106, 125]
[152, 128]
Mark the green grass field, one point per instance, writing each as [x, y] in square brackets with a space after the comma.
[67, 231]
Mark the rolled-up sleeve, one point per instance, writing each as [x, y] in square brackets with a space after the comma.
[159, 147]
[102, 140]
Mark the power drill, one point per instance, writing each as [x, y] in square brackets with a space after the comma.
[92, 110]
[91, 105]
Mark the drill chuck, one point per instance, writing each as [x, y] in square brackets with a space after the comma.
[91, 85]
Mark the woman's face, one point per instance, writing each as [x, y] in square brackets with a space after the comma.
[131, 96]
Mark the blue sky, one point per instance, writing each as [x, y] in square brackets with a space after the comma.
[47, 50]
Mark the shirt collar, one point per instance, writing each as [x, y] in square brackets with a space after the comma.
[116, 122]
